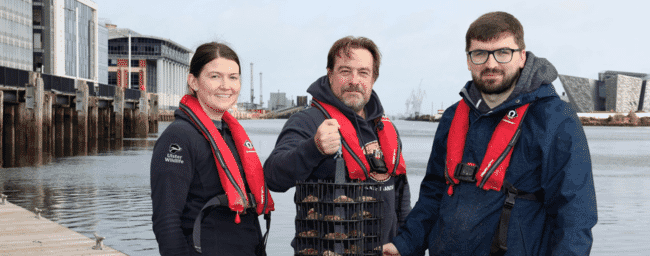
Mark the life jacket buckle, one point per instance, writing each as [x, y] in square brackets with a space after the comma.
[466, 172]
[376, 161]
[510, 199]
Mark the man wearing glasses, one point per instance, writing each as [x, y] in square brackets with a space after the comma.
[510, 170]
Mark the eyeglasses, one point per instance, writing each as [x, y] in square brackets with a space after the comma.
[503, 55]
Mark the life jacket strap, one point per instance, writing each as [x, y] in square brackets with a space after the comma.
[499, 245]
[221, 200]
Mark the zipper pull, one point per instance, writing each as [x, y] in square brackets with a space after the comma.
[237, 218]
[450, 190]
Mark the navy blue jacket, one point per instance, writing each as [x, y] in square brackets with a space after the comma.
[551, 156]
[296, 158]
[184, 177]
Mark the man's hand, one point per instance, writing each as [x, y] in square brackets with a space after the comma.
[327, 138]
[390, 250]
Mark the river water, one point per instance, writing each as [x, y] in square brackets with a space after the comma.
[108, 192]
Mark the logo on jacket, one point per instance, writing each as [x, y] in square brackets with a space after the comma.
[173, 148]
[512, 114]
[248, 144]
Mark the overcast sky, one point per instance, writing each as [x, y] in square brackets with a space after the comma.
[421, 41]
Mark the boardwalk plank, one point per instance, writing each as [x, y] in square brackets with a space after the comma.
[22, 233]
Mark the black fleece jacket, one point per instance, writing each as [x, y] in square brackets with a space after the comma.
[296, 158]
[184, 177]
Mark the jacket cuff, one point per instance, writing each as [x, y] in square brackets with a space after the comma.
[402, 246]
[311, 150]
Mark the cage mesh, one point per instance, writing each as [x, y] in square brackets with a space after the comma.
[338, 218]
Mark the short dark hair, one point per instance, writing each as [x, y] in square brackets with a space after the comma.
[208, 52]
[492, 25]
[349, 42]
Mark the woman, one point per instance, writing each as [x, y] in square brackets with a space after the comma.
[207, 184]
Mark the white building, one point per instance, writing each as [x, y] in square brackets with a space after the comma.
[16, 34]
[158, 65]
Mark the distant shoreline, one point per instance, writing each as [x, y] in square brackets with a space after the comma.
[587, 119]
[614, 119]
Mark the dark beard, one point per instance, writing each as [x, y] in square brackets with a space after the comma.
[490, 87]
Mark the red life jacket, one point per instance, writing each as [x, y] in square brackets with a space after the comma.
[357, 165]
[229, 173]
[492, 170]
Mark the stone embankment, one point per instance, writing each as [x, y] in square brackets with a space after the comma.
[631, 119]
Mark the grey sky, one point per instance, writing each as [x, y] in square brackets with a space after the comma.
[288, 41]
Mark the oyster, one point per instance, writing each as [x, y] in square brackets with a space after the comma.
[355, 233]
[310, 199]
[308, 251]
[332, 217]
[310, 233]
[336, 235]
[313, 215]
[352, 250]
[364, 215]
[330, 253]
[343, 199]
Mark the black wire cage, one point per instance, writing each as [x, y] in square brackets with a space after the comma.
[338, 218]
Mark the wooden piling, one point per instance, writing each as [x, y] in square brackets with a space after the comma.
[48, 128]
[59, 145]
[141, 116]
[22, 121]
[81, 113]
[68, 131]
[9, 135]
[153, 113]
[34, 97]
[118, 111]
[2, 106]
[108, 123]
[93, 130]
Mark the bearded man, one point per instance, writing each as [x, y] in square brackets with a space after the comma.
[510, 170]
[344, 103]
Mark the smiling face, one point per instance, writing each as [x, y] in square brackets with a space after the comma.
[493, 77]
[217, 87]
[352, 79]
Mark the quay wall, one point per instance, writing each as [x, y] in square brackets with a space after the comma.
[39, 120]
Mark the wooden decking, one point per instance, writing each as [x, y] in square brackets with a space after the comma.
[22, 233]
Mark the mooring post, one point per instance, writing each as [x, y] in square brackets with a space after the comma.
[68, 139]
[118, 109]
[2, 106]
[81, 107]
[48, 129]
[34, 97]
[59, 146]
[92, 125]
[23, 119]
[99, 242]
[142, 116]
[4, 198]
[153, 113]
[9, 136]
[38, 212]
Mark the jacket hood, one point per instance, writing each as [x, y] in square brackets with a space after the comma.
[320, 89]
[533, 82]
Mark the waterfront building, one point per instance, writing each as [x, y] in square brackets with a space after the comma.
[103, 53]
[279, 100]
[66, 38]
[16, 35]
[613, 91]
[158, 65]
